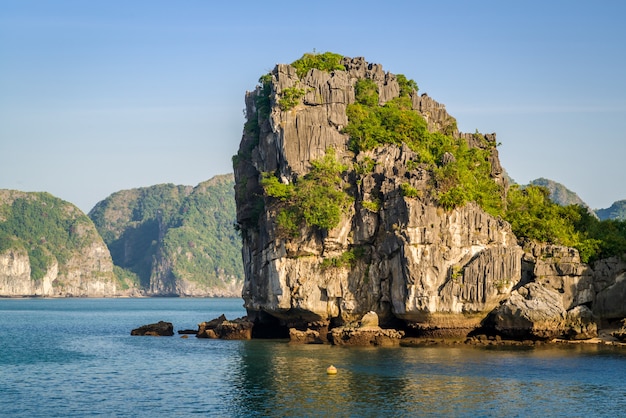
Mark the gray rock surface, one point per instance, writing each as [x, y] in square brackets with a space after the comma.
[434, 269]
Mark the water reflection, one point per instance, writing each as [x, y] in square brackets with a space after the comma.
[278, 379]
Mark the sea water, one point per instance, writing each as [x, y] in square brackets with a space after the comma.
[76, 357]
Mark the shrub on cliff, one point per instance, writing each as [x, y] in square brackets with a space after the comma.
[463, 178]
[315, 200]
[327, 61]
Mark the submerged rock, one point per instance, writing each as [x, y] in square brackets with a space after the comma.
[159, 329]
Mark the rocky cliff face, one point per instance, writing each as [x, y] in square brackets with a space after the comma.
[411, 260]
[48, 247]
[419, 263]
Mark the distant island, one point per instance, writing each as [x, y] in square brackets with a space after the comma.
[162, 240]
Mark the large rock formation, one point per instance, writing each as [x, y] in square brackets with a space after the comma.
[411, 261]
[178, 240]
[48, 247]
[421, 263]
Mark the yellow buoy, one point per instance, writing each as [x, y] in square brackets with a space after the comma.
[331, 370]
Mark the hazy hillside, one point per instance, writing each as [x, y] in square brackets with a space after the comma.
[177, 240]
[616, 211]
[560, 194]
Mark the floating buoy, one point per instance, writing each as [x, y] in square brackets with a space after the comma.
[331, 370]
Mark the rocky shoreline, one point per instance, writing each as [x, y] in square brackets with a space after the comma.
[367, 332]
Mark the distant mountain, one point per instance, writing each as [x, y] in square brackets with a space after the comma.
[49, 247]
[560, 194]
[616, 211]
[176, 240]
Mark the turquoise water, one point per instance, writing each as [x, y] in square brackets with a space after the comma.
[75, 357]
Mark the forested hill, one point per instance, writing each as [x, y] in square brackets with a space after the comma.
[175, 240]
[48, 247]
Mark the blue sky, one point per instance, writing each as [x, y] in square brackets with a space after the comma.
[100, 96]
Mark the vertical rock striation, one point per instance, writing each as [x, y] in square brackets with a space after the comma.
[397, 250]
[417, 262]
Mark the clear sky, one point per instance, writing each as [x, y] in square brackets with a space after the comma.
[101, 96]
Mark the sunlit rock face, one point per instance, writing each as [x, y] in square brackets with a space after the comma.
[418, 264]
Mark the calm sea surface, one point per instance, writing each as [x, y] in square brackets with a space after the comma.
[75, 357]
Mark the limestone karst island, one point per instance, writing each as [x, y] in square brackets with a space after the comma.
[356, 195]
[362, 216]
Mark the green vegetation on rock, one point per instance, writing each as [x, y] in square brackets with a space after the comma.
[291, 96]
[459, 169]
[327, 61]
[347, 259]
[464, 176]
[534, 216]
[315, 200]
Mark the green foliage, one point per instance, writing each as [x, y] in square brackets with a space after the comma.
[366, 92]
[275, 188]
[365, 166]
[534, 216]
[289, 219]
[456, 272]
[187, 229]
[9, 242]
[126, 278]
[263, 103]
[39, 259]
[466, 178]
[327, 62]
[371, 205]
[347, 259]
[203, 245]
[370, 125]
[409, 191]
[315, 200]
[610, 234]
[290, 97]
[406, 86]
[48, 228]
